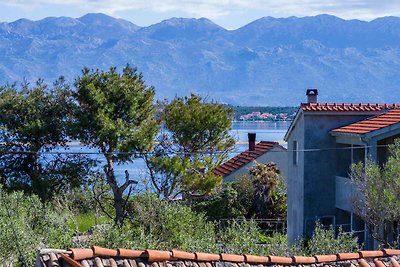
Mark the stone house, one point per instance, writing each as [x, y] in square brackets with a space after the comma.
[323, 141]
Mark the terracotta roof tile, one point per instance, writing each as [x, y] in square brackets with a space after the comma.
[326, 258]
[81, 253]
[348, 256]
[379, 263]
[394, 262]
[363, 263]
[256, 259]
[177, 254]
[99, 251]
[70, 261]
[129, 253]
[386, 119]
[281, 260]
[372, 254]
[158, 255]
[243, 158]
[207, 256]
[344, 107]
[303, 260]
[232, 257]
[176, 258]
[392, 252]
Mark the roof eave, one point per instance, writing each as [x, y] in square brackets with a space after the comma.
[296, 118]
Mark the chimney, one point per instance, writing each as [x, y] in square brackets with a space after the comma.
[252, 141]
[312, 95]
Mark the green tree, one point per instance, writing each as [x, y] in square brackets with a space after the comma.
[378, 201]
[269, 191]
[33, 127]
[196, 140]
[230, 201]
[115, 114]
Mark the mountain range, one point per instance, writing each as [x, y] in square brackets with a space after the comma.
[270, 61]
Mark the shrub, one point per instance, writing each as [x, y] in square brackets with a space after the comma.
[277, 245]
[324, 241]
[27, 225]
[221, 205]
[240, 237]
[157, 224]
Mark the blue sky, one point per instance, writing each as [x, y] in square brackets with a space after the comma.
[230, 14]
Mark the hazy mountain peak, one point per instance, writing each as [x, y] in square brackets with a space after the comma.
[96, 18]
[183, 28]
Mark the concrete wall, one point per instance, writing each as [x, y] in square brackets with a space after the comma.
[320, 167]
[277, 155]
[295, 184]
[311, 183]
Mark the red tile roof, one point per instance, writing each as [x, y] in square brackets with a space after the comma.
[386, 119]
[343, 107]
[243, 158]
[101, 257]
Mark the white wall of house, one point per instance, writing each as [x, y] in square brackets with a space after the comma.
[277, 155]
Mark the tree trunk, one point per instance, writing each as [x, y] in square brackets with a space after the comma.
[117, 192]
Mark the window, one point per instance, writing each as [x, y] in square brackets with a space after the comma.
[295, 149]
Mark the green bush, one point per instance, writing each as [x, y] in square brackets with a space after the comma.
[324, 241]
[27, 225]
[221, 205]
[157, 224]
[240, 237]
[277, 245]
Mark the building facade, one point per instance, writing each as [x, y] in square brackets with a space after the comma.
[323, 141]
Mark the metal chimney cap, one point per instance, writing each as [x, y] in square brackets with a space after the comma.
[312, 92]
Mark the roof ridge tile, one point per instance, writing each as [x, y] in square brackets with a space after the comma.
[178, 254]
[100, 251]
[256, 259]
[304, 259]
[326, 258]
[81, 253]
[348, 256]
[281, 260]
[201, 256]
[130, 253]
[232, 257]
[371, 253]
[158, 255]
[100, 257]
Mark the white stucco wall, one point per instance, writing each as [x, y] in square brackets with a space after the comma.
[277, 155]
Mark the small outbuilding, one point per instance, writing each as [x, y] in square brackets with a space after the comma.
[262, 152]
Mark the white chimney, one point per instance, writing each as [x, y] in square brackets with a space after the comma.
[312, 95]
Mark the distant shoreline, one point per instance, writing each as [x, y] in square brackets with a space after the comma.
[261, 121]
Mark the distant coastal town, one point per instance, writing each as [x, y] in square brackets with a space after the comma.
[264, 113]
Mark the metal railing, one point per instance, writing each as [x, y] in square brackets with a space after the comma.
[267, 226]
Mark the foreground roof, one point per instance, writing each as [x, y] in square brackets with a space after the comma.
[378, 122]
[103, 257]
[243, 158]
[340, 107]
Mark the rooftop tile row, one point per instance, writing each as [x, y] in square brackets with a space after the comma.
[243, 158]
[103, 257]
[344, 107]
[386, 119]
